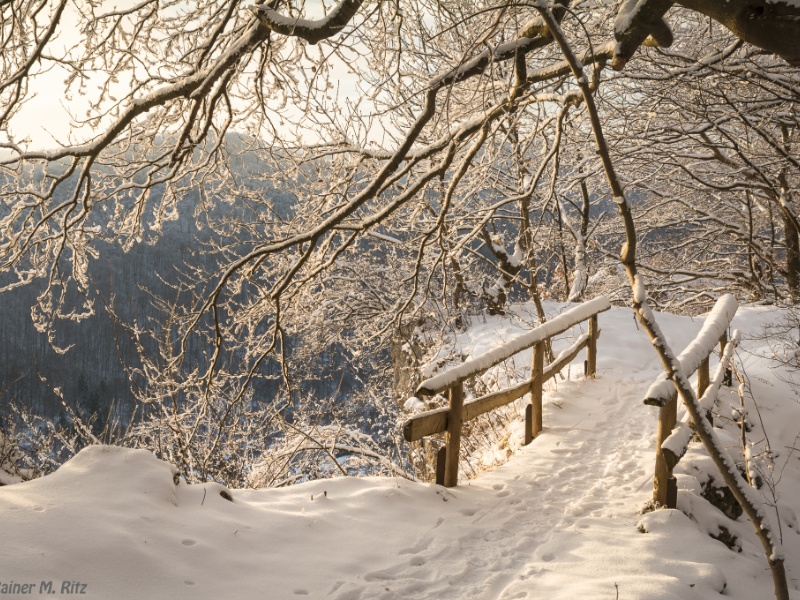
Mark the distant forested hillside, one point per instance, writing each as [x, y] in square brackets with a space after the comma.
[91, 374]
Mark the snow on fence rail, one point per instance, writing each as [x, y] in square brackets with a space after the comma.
[450, 419]
[673, 438]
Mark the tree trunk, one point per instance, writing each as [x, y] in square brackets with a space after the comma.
[792, 256]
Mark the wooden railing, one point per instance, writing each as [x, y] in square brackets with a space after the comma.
[450, 419]
[673, 438]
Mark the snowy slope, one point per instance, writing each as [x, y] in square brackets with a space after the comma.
[560, 520]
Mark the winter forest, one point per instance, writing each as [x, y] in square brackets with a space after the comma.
[240, 236]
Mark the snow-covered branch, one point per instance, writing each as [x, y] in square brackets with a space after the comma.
[312, 31]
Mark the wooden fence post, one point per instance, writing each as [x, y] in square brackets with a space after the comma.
[723, 341]
[455, 419]
[591, 349]
[702, 385]
[441, 464]
[450, 419]
[537, 370]
[528, 425]
[702, 377]
[667, 416]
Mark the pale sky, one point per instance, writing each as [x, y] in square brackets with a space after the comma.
[45, 118]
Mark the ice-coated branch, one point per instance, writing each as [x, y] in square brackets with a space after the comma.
[312, 31]
[187, 87]
[640, 22]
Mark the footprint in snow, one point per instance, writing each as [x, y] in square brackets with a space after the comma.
[417, 548]
[563, 451]
[385, 575]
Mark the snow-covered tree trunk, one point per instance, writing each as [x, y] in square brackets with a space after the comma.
[580, 276]
[791, 227]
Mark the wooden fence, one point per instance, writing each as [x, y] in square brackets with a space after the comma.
[673, 438]
[450, 419]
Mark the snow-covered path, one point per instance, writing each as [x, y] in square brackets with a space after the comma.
[498, 534]
[558, 521]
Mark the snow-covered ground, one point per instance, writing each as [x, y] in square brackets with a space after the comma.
[560, 520]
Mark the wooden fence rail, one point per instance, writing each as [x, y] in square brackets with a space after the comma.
[450, 419]
[673, 438]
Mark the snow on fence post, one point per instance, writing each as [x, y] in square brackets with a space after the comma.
[455, 419]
